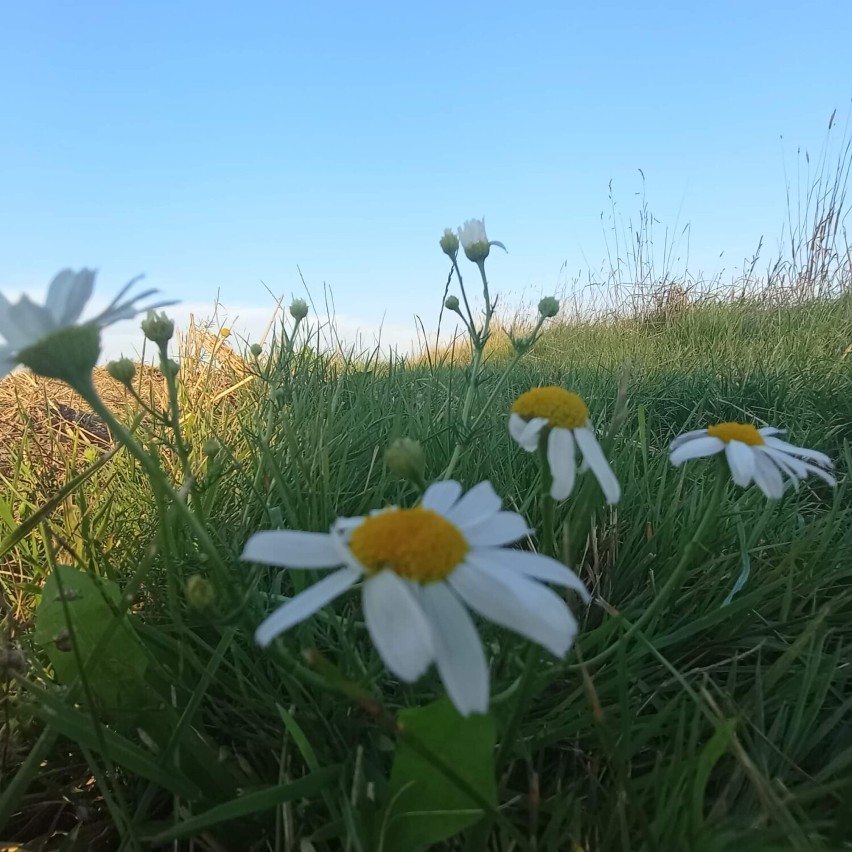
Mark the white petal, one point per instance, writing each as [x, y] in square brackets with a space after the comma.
[479, 504]
[518, 603]
[502, 528]
[24, 323]
[306, 604]
[528, 437]
[740, 458]
[796, 468]
[397, 625]
[687, 436]
[695, 449]
[458, 651]
[517, 424]
[770, 430]
[292, 549]
[822, 474]
[535, 565]
[593, 454]
[562, 462]
[767, 477]
[440, 496]
[813, 455]
[8, 361]
[68, 294]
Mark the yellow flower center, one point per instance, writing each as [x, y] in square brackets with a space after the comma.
[417, 544]
[563, 409]
[745, 433]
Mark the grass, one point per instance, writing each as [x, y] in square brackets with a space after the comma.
[137, 713]
[716, 726]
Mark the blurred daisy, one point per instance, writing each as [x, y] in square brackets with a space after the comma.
[25, 323]
[421, 568]
[753, 455]
[562, 419]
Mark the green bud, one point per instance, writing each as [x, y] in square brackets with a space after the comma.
[548, 307]
[404, 458]
[123, 370]
[521, 344]
[158, 328]
[68, 354]
[298, 309]
[477, 252]
[449, 243]
[199, 592]
[255, 349]
[211, 447]
[451, 303]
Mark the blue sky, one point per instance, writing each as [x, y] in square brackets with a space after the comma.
[215, 146]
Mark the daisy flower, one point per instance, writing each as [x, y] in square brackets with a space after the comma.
[26, 324]
[562, 419]
[475, 241]
[753, 455]
[422, 568]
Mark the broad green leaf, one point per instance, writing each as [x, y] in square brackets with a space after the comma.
[424, 806]
[116, 677]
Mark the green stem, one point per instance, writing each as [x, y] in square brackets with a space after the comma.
[166, 366]
[548, 527]
[161, 485]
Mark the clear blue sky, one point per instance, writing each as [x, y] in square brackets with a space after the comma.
[217, 145]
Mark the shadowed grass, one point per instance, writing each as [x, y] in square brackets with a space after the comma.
[716, 726]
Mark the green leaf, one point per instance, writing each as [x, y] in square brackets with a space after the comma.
[424, 806]
[251, 803]
[116, 678]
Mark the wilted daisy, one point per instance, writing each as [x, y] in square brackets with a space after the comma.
[753, 455]
[562, 419]
[26, 324]
[421, 568]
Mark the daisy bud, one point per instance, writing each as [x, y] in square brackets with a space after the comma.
[548, 307]
[255, 349]
[158, 328]
[450, 244]
[474, 240]
[404, 458]
[199, 592]
[298, 309]
[224, 332]
[211, 447]
[451, 303]
[123, 370]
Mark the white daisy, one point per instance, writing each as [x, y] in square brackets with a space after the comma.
[421, 568]
[475, 241]
[26, 323]
[562, 419]
[753, 455]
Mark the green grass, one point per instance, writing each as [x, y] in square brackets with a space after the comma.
[714, 727]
